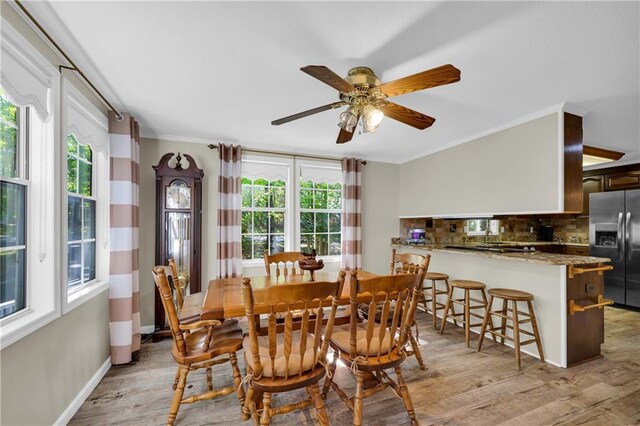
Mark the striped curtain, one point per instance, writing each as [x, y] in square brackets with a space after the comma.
[124, 289]
[351, 214]
[229, 211]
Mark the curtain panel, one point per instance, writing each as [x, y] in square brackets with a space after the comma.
[229, 211]
[351, 213]
[124, 288]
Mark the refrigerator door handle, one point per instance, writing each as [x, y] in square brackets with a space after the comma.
[619, 236]
[627, 232]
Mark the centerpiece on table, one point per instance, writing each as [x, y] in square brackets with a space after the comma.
[309, 263]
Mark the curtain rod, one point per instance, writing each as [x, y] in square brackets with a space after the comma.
[260, 151]
[73, 66]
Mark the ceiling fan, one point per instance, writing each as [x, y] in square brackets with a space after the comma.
[366, 97]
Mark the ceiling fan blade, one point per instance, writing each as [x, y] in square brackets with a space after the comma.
[445, 74]
[307, 113]
[329, 77]
[344, 136]
[406, 115]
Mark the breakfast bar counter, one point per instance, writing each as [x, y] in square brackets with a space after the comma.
[567, 291]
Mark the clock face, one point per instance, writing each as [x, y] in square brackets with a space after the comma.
[178, 195]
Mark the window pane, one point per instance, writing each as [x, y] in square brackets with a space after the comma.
[259, 246]
[334, 244]
[337, 186]
[72, 174]
[333, 200]
[278, 183]
[306, 184]
[8, 151]
[306, 198]
[320, 199]
[89, 267]
[321, 185]
[322, 244]
[8, 111]
[74, 264]
[85, 179]
[307, 243]
[13, 214]
[247, 224]
[89, 219]
[12, 282]
[85, 152]
[277, 198]
[322, 222]
[75, 219]
[306, 223]
[246, 181]
[261, 182]
[276, 223]
[276, 243]
[260, 196]
[246, 195]
[334, 222]
[261, 222]
[246, 247]
[72, 145]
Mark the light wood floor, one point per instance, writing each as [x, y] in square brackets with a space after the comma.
[460, 387]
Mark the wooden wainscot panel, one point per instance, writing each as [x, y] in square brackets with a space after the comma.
[572, 163]
[585, 324]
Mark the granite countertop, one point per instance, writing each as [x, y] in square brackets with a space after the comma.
[529, 257]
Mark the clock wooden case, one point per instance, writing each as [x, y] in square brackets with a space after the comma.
[178, 226]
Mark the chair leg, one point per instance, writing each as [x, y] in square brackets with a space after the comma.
[209, 378]
[434, 303]
[357, 400]
[467, 317]
[516, 332]
[175, 381]
[321, 410]
[329, 377]
[536, 333]
[406, 397]
[446, 309]
[266, 409]
[503, 321]
[177, 395]
[486, 308]
[416, 351]
[249, 404]
[483, 329]
[237, 379]
[453, 306]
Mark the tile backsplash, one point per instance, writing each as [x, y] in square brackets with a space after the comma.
[451, 231]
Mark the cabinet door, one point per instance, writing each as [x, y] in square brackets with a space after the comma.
[576, 250]
[625, 180]
[590, 184]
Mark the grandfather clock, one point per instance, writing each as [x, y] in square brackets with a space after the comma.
[178, 227]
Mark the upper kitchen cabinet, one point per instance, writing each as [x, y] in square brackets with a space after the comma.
[534, 167]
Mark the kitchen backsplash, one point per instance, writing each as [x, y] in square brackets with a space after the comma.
[451, 231]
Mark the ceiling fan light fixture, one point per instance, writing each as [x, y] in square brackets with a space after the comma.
[372, 118]
[348, 120]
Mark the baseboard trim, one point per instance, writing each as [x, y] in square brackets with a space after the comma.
[84, 393]
[147, 329]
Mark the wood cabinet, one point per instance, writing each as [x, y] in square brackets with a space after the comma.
[624, 180]
[608, 179]
[576, 250]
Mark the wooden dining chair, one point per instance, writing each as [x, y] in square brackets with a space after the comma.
[410, 263]
[188, 306]
[295, 357]
[286, 261]
[202, 347]
[375, 347]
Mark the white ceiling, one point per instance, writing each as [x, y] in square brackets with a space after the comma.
[214, 71]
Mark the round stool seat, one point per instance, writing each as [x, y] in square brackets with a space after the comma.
[510, 294]
[436, 276]
[467, 284]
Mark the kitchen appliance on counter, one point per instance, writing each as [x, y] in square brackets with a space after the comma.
[614, 232]
[545, 233]
[416, 236]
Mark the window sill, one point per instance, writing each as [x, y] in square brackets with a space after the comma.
[87, 293]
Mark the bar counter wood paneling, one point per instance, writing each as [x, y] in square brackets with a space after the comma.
[224, 295]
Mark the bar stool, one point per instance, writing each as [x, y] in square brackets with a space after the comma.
[436, 306]
[513, 296]
[467, 286]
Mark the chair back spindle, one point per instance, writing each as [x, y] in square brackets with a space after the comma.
[285, 263]
[160, 278]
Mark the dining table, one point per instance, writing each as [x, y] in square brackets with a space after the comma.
[224, 299]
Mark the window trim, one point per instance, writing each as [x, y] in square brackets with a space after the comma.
[90, 127]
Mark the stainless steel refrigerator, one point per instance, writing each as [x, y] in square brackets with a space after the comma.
[614, 232]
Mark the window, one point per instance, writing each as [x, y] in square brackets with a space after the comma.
[290, 205]
[81, 231]
[13, 193]
[479, 226]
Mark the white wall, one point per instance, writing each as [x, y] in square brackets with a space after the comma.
[516, 170]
